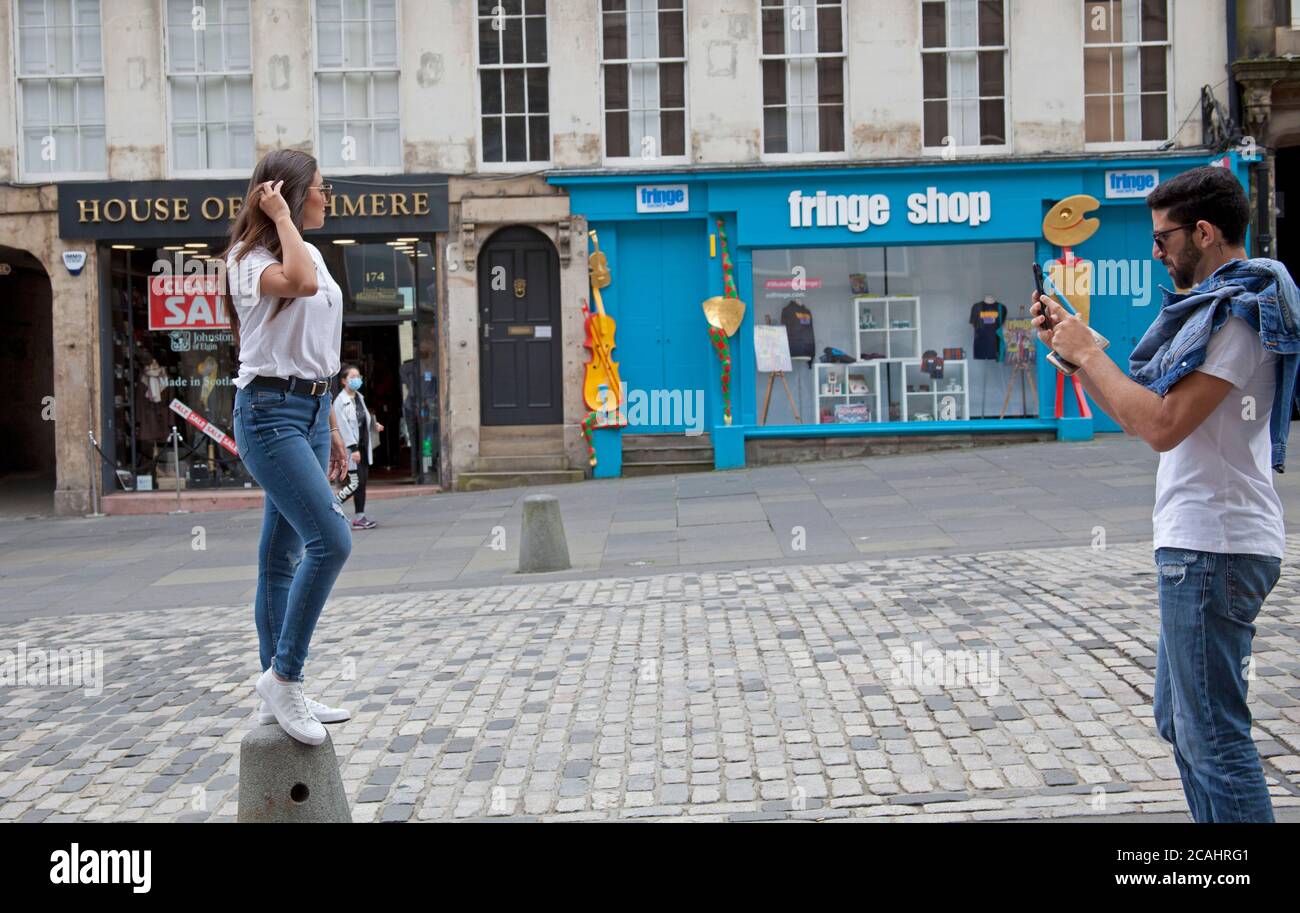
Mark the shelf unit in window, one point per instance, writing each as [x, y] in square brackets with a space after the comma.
[874, 319]
[955, 383]
[867, 372]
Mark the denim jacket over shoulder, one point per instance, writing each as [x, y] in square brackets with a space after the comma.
[1259, 291]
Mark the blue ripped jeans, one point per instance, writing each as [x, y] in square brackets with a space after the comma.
[1208, 605]
[284, 441]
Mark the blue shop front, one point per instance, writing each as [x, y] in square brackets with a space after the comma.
[878, 300]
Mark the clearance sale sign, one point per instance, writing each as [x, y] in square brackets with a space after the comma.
[195, 302]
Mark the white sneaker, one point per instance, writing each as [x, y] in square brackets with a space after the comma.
[322, 712]
[287, 704]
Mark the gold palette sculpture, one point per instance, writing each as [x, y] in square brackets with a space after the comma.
[1067, 226]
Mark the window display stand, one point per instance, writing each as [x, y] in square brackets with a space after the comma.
[830, 393]
[927, 405]
[892, 321]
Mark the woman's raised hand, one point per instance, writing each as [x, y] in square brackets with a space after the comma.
[270, 201]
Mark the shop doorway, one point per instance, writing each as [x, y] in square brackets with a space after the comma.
[519, 318]
[390, 336]
[27, 459]
[663, 346]
[378, 351]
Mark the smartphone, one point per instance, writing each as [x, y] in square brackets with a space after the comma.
[1056, 361]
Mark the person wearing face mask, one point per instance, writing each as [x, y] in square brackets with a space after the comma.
[359, 429]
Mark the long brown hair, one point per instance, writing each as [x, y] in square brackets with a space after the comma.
[252, 228]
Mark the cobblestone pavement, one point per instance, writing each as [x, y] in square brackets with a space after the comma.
[1002, 685]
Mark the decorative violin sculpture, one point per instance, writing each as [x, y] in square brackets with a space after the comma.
[601, 369]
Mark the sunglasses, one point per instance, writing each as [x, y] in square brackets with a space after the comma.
[326, 189]
[1159, 236]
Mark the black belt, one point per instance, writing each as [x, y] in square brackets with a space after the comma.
[293, 385]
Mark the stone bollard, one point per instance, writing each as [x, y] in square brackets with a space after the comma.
[542, 546]
[283, 781]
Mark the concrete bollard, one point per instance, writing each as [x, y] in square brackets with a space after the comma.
[542, 546]
[283, 781]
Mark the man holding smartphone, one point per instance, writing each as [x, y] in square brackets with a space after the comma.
[1211, 389]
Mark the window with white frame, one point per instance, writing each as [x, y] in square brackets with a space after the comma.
[1126, 71]
[60, 70]
[356, 84]
[803, 58]
[514, 81]
[210, 83]
[643, 54]
[964, 72]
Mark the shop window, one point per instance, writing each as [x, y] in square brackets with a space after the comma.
[210, 85]
[60, 71]
[643, 59]
[514, 81]
[357, 84]
[900, 334]
[964, 66]
[172, 344]
[1126, 71]
[803, 61]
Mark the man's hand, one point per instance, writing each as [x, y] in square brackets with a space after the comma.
[1037, 310]
[1069, 336]
[379, 429]
[338, 465]
[356, 457]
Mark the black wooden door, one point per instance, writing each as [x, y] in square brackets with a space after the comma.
[519, 330]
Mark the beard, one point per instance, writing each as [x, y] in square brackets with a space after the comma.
[1182, 269]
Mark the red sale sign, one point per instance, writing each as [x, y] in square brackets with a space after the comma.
[187, 303]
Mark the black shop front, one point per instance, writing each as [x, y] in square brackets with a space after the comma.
[167, 350]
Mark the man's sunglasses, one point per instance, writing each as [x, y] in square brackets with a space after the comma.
[1159, 236]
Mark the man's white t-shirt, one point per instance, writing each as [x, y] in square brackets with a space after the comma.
[1214, 491]
[303, 340]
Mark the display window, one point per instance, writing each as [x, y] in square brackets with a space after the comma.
[174, 359]
[900, 334]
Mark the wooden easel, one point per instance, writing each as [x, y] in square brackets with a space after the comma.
[767, 397]
[1023, 370]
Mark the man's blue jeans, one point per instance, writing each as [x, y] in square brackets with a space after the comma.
[284, 441]
[1208, 605]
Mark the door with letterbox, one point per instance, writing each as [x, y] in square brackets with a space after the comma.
[519, 330]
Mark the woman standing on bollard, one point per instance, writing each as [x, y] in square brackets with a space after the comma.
[287, 314]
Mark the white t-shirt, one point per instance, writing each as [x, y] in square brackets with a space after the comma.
[303, 340]
[1214, 491]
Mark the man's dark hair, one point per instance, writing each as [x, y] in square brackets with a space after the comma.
[1209, 194]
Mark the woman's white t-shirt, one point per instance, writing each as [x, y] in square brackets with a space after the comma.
[303, 340]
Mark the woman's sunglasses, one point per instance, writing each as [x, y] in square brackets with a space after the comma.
[1159, 236]
[327, 190]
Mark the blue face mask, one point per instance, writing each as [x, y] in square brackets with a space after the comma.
[354, 383]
